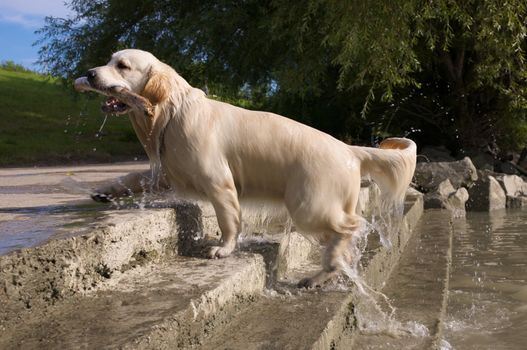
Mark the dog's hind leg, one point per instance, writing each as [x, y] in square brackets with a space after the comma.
[337, 253]
[224, 199]
[329, 212]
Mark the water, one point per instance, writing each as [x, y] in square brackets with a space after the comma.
[375, 312]
[487, 301]
[468, 292]
[51, 203]
[29, 227]
[102, 126]
[76, 126]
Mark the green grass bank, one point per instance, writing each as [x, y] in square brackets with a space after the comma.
[43, 122]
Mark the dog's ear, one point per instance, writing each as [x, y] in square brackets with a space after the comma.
[157, 88]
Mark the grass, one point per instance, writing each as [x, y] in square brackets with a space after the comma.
[42, 122]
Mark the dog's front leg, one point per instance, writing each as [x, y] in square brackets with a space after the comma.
[224, 199]
[127, 185]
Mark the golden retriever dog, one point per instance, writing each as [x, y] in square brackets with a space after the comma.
[202, 147]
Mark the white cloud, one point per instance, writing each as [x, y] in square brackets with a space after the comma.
[30, 14]
[42, 8]
[25, 21]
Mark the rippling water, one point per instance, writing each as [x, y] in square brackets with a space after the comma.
[487, 302]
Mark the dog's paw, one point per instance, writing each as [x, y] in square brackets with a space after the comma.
[319, 280]
[218, 252]
[308, 283]
[101, 197]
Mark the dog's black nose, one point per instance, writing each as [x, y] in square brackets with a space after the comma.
[91, 75]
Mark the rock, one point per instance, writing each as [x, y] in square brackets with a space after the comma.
[457, 202]
[486, 194]
[513, 185]
[447, 197]
[433, 201]
[438, 198]
[516, 202]
[435, 154]
[461, 173]
[483, 161]
[515, 189]
[445, 188]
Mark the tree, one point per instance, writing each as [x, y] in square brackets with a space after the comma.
[454, 69]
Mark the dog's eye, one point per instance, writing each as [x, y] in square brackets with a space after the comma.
[122, 65]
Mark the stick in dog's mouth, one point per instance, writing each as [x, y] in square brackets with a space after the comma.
[120, 100]
[113, 106]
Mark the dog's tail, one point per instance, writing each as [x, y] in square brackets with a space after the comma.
[391, 166]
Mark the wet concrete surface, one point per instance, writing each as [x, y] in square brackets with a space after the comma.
[289, 318]
[114, 278]
[90, 277]
[287, 322]
[37, 204]
[31, 226]
[465, 280]
[178, 293]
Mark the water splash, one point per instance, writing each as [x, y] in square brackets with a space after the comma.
[73, 186]
[264, 217]
[372, 319]
[373, 309]
[412, 130]
[98, 134]
[445, 345]
[386, 219]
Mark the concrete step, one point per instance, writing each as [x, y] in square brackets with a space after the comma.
[320, 319]
[306, 320]
[169, 305]
[128, 279]
[43, 275]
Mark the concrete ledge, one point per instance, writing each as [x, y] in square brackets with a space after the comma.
[242, 279]
[43, 275]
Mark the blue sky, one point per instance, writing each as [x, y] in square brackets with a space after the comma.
[18, 21]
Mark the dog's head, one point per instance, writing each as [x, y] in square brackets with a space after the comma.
[133, 79]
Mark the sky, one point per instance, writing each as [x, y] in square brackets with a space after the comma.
[19, 19]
